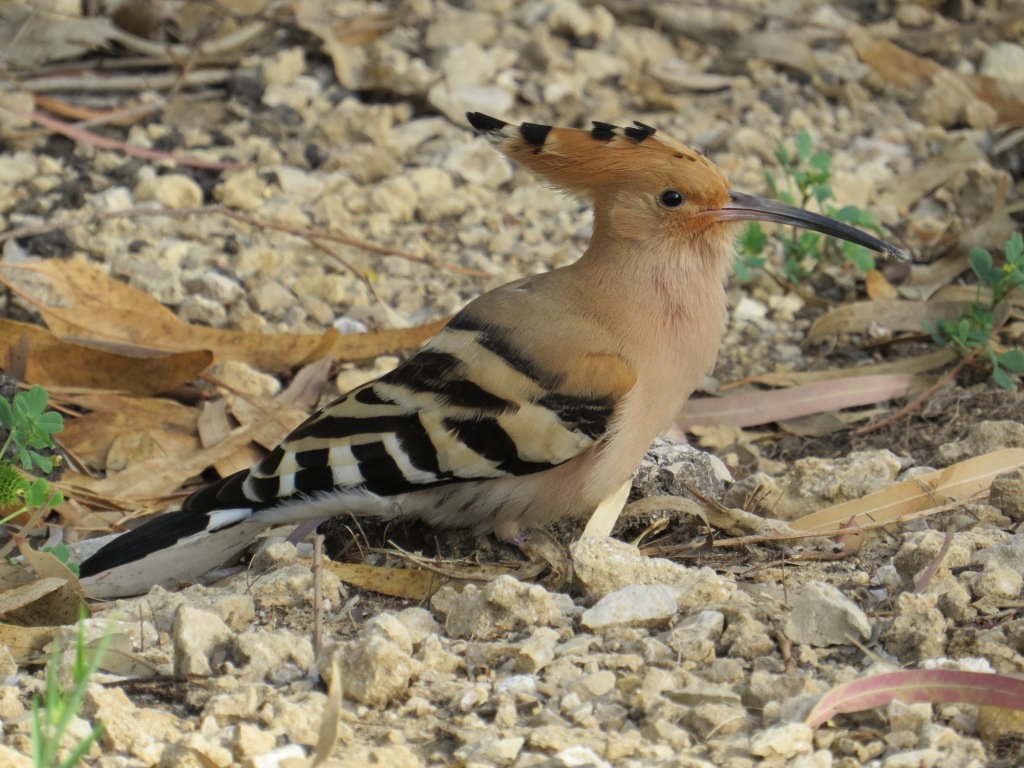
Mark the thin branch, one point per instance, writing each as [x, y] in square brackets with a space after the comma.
[232, 42]
[318, 594]
[359, 274]
[219, 210]
[89, 118]
[790, 535]
[427, 565]
[89, 83]
[914, 404]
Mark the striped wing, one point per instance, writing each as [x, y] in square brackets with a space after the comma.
[466, 407]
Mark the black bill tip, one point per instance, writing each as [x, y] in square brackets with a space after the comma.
[485, 123]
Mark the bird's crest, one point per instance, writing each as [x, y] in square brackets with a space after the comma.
[587, 162]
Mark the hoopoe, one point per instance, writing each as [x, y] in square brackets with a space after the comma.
[536, 402]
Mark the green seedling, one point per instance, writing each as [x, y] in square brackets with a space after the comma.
[805, 177]
[973, 332]
[54, 711]
[30, 426]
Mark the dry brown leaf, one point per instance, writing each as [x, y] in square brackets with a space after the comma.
[268, 433]
[98, 439]
[214, 425]
[955, 158]
[410, 583]
[57, 606]
[86, 511]
[245, 409]
[45, 565]
[787, 48]
[16, 359]
[104, 309]
[292, 404]
[907, 366]
[877, 287]
[159, 478]
[818, 424]
[925, 280]
[330, 720]
[53, 362]
[81, 284]
[308, 385]
[160, 434]
[269, 352]
[891, 314]
[170, 426]
[814, 424]
[959, 482]
[913, 73]
[136, 444]
[344, 37]
[150, 409]
[971, 293]
[16, 596]
[900, 315]
[365, 346]
[26, 643]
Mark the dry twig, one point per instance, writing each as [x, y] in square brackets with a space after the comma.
[914, 404]
[220, 210]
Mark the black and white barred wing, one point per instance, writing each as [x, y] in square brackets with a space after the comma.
[461, 409]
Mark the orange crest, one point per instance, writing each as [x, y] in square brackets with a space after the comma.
[605, 159]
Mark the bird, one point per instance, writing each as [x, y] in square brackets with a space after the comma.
[537, 401]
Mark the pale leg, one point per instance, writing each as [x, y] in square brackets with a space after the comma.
[607, 512]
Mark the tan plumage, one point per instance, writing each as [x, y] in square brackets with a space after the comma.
[537, 401]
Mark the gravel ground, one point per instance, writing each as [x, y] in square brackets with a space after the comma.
[709, 661]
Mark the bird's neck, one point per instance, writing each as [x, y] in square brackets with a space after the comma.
[667, 304]
[667, 283]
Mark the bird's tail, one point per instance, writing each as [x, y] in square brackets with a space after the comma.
[176, 546]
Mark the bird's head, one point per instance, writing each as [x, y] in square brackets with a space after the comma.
[647, 187]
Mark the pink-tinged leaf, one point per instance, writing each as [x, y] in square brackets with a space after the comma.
[914, 686]
[752, 408]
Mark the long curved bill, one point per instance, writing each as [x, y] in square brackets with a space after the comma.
[742, 207]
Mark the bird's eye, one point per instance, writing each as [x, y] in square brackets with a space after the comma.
[670, 198]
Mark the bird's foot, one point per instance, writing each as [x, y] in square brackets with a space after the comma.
[544, 553]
